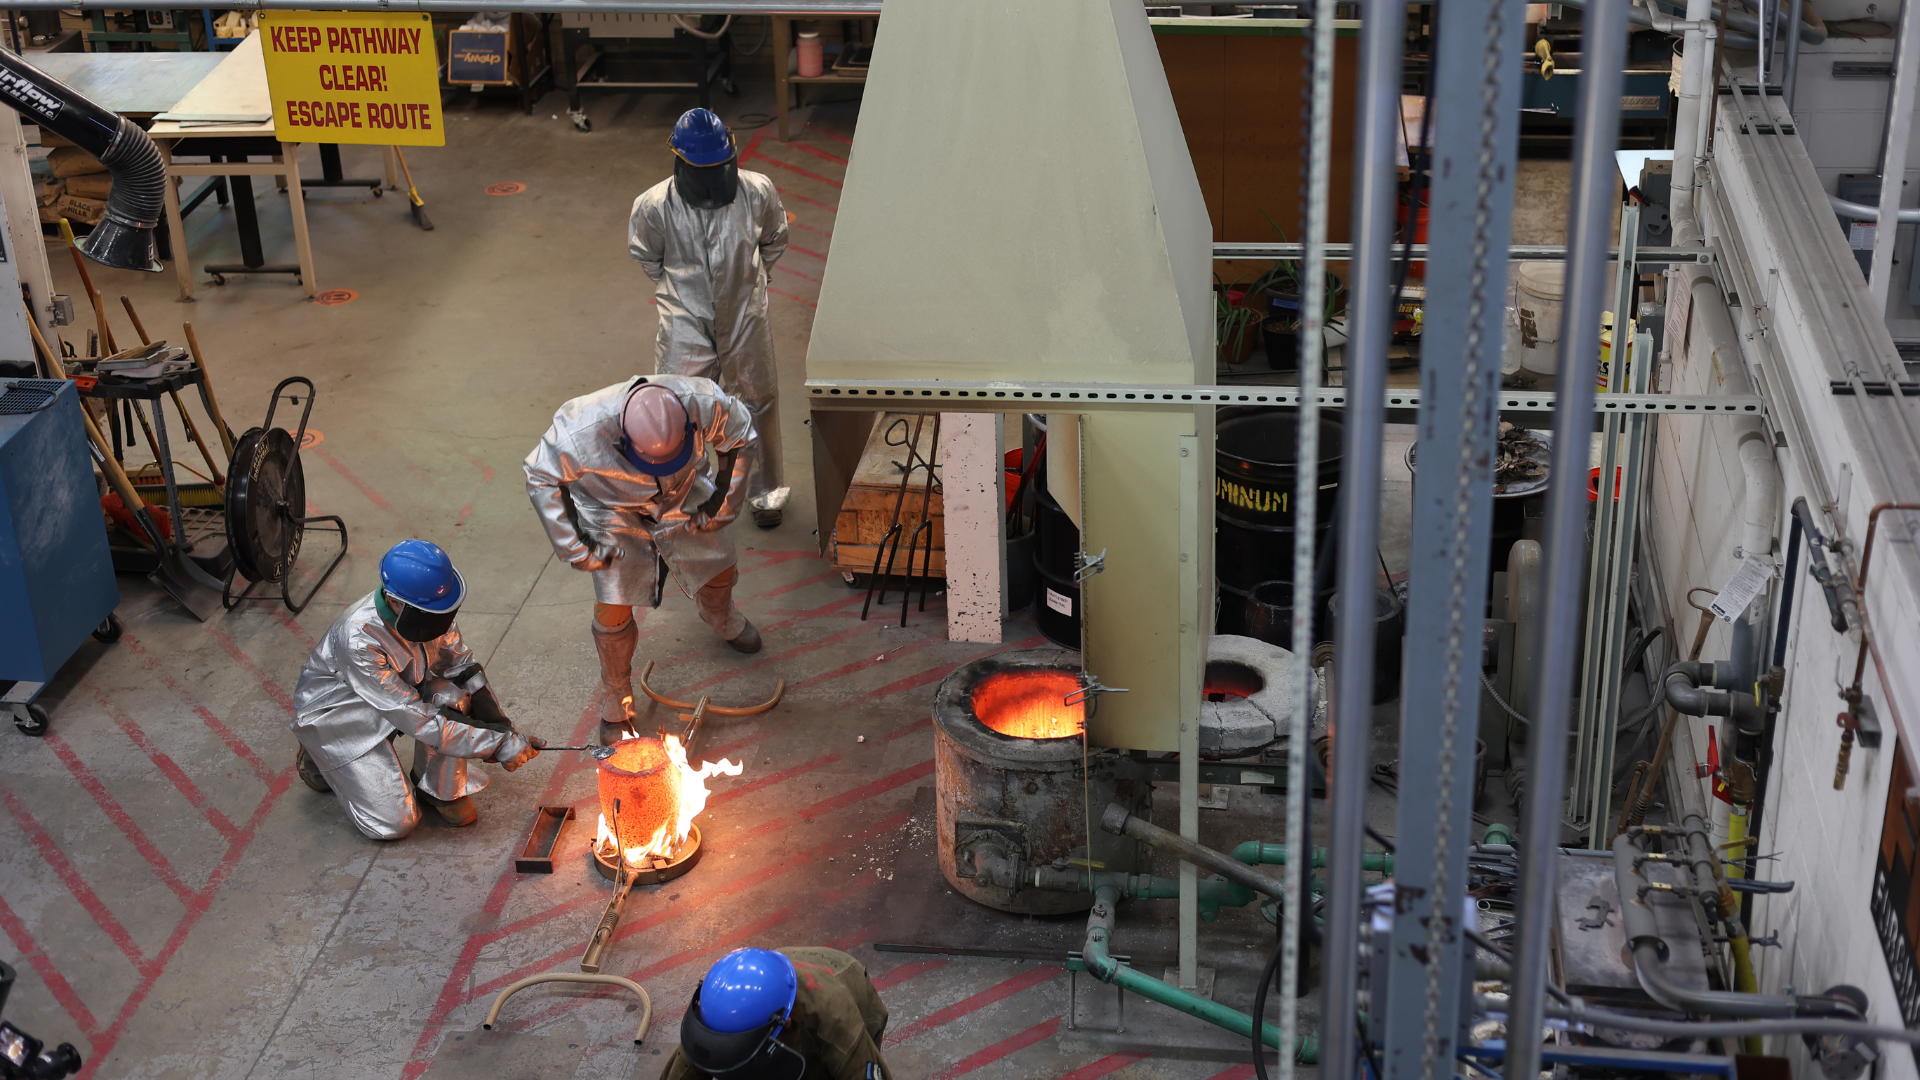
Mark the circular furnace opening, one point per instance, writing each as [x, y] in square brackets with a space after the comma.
[1231, 679]
[1030, 704]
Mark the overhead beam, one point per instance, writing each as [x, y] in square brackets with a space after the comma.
[910, 395]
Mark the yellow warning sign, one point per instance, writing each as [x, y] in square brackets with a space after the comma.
[353, 77]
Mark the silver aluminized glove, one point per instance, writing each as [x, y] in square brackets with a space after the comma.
[446, 695]
[517, 749]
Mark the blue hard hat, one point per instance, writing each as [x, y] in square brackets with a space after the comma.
[420, 574]
[701, 138]
[746, 989]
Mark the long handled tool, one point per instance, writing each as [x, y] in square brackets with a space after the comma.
[416, 203]
[182, 579]
[694, 713]
[193, 429]
[206, 391]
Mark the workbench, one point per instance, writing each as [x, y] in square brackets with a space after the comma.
[236, 87]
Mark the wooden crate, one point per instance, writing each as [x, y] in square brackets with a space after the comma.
[867, 511]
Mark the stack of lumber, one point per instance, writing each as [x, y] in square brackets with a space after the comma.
[868, 510]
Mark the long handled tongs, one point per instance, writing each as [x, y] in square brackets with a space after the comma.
[892, 537]
[694, 713]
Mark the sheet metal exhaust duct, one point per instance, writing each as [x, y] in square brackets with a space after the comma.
[124, 237]
[1048, 225]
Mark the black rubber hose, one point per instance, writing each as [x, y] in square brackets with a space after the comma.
[124, 237]
[1267, 975]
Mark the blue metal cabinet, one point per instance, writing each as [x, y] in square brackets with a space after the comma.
[56, 578]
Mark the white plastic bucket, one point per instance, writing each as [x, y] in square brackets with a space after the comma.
[1537, 306]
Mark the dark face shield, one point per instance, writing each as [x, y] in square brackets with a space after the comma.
[743, 1055]
[706, 187]
[412, 623]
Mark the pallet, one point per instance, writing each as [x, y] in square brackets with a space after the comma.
[867, 510]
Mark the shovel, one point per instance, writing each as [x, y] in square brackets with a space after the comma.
[182, 578]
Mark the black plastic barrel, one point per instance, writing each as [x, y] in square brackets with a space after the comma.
[1389, 630]
[1253, 513]
[1056, 540]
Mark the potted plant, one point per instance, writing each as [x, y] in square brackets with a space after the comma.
[1279, 286]
[1234, 324]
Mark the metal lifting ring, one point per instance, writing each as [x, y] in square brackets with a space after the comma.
[779, 692]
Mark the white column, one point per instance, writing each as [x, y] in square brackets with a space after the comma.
[26, 252]
[973, 498]
[1893, 173]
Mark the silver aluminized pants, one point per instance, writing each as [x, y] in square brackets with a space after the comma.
[377, 793]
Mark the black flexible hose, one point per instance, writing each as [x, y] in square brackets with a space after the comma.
[1260, 1004]
[124, 237]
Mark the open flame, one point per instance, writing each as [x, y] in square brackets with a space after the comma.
[659, 794]
[1030, 704]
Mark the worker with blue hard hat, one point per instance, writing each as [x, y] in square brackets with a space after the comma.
[394, 664]
[707, 236]
[802, 1013]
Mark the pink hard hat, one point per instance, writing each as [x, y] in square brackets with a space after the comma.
[657, 429]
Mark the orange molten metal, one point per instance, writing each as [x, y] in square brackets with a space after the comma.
[659, 795]
[1030, 704]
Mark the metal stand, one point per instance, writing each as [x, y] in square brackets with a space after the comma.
[228, 597]
[253, 259]
[331, 174]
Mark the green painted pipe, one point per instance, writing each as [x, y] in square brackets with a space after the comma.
[1101, 965]
[1215, 893]
[1253, 853]
[1498, 834]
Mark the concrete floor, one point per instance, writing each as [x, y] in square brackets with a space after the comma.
[178, 905]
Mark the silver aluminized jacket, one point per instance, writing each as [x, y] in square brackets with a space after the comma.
[709, 269]
[362, 683]
[587, 493]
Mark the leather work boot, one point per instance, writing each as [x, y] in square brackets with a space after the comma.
[615, 645]
[310, 774]
[457, 814]
[715, 600]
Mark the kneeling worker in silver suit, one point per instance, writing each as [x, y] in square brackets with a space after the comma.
[623, 484]
[395, 664]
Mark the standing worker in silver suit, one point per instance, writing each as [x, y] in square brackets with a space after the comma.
[624, 486]
[395, 665]
[708, 236]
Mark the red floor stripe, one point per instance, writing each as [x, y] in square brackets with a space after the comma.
[816, 152]
[70, 877]
[1238, 1072]
[735, 792]
[1026, 980]
[792, 586]
[895, 653]
[775, 558]
[935, 674]
[371, 495]
[854, 940]
[752, 148]
[797, 197]
[842, 801]
[798, 224]
[792, 297]
[804, 251]
[240, 749]
[121, 819]
[733, 940]
[274, 690]
[834, 135]
[661, 918]
[893, 977]
[797, 650]
[103, 1045]
[924, 722]
[1112, 1063]
[450, 993]
[808, 173]
[983, 1058]
[796, 273]
[168, 768]
[57, 985]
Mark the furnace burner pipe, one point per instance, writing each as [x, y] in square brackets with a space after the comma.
[1099, 962]
[1650, 949]
[1119, 822]
[1589, 222]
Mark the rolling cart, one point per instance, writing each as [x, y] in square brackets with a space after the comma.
[56, 578]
